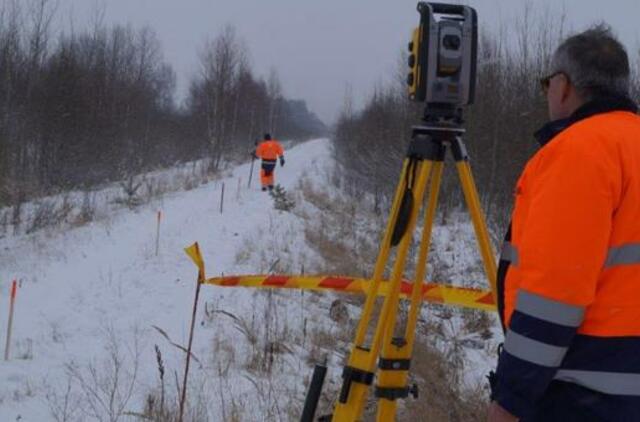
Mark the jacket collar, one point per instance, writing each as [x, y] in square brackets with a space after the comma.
[597, 106]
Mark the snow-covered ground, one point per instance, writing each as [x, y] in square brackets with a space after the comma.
[76, 286]
[87, 289]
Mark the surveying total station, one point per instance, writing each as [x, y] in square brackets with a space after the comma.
[443, 52]
[442, 59]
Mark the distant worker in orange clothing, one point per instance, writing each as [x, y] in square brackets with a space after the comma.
[269, 150]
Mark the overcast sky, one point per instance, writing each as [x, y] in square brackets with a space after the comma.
[320, 46]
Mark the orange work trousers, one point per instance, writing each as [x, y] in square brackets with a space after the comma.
[266, 173]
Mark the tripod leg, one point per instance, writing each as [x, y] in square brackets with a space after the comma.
[356, 378]
[396, 354]
[362, 361]
[425, 244]
[479, 222]
[381, 261]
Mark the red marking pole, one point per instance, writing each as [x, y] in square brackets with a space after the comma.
[14, 287]
[158, 232]
[221, 197]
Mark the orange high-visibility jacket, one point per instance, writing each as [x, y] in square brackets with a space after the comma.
[576, 225]
[571, 295]
[269, 150]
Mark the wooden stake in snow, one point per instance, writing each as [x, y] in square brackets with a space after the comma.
[221, 197]
[251, 171]
[14, 287]
[194, 252]
[238, 191]
[158, 232]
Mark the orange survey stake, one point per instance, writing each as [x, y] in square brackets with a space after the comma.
[7, 346]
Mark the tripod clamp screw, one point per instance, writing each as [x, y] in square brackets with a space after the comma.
[395, 393]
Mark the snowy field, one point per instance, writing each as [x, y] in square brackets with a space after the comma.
[78, 286]
[94, 293]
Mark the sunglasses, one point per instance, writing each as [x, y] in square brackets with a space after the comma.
[546, 81]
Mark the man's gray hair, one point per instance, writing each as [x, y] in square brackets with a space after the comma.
[595, 62]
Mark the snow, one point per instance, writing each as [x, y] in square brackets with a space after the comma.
[79, 286]
[75, 284]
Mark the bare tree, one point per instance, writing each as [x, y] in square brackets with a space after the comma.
[274, 91]
[220, 61]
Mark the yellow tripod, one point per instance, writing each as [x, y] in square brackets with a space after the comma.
[392, 354]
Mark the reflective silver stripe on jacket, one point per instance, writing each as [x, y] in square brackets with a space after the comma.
[604, 382]
[509, 253]
[534, 351]
[549, 310]
[623, 255]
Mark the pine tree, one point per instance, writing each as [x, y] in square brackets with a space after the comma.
[281, 199]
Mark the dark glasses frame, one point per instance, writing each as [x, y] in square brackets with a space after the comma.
[545, 81]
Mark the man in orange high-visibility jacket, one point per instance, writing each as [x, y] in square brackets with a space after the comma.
[569, 274]
[269, 151]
